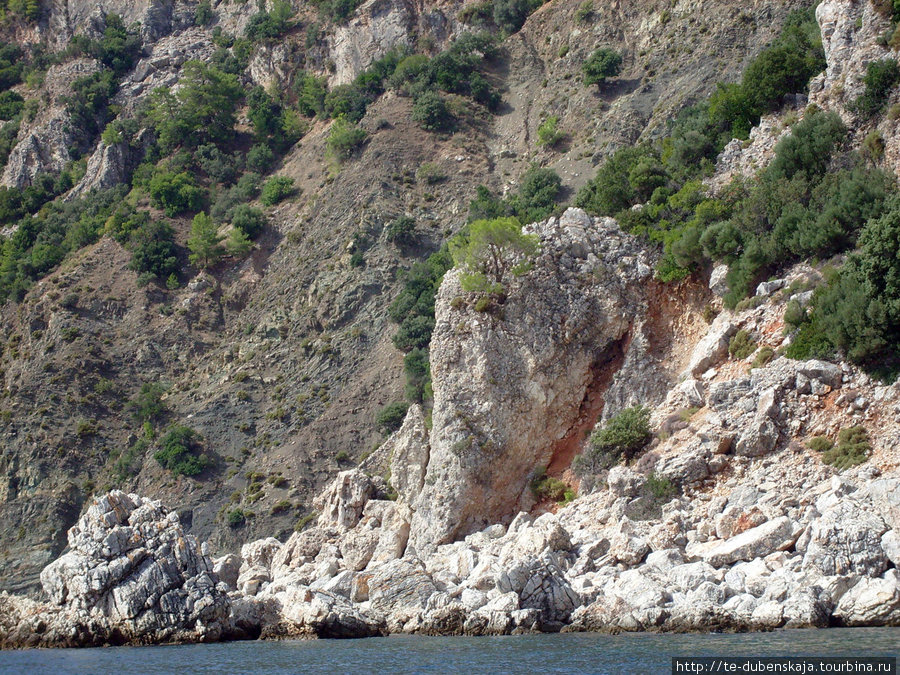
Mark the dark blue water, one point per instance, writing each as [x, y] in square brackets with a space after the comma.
[567, 653]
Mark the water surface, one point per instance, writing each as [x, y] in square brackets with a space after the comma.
[565, 653]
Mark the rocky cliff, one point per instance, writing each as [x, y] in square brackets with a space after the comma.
[729, 519]
[281, 361]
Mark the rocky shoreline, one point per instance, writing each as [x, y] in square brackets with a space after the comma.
[754, 532]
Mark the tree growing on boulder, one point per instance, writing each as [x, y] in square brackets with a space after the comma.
[490, 251]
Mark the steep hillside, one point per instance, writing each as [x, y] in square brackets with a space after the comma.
[280, 360]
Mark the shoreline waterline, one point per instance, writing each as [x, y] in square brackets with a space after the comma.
[533, 653]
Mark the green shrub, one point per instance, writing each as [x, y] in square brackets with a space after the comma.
[238, 243]
[147, 405]
[276, 189]
[269, 25]
[203, 14]
[763, 357]
[660, 488]
[510, 15]
[390, 418]
[235, 518]
[177, 452]
[852, 448]
[175, 193]
[401, 230]
[251, 221]
[11, 105]
[621, 438]
[204, 242]
[880, 79]
[202, 111]
[820, 443]
[152, 246]
[345, 138]
[430, 173]
[600, 65]
[310, 92]
[489, 251]
[547, 487]
[585, 11]
[548, 132]
[741, 345]
[431, 112]
[260, 158]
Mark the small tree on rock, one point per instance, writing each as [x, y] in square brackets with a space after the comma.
[490, 251]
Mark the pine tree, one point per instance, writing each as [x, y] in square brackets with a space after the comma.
[205, 242]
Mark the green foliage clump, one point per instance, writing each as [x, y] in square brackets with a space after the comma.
[11, 105]
[147, 405]
[175, 193]
[265, 26]
[413, 309]
[390, 418]
[852, 448]
[401, 230]
[246, 189]
[741, 345]
[820, 443]
[549, 133]
[858, 311]
[345, 138]
[584, 12]
[488, 251]
[620, 439]
[510, 15]
[42, 241]
[205, 242]
[235, 518]
[12, 63]
[660, 488]
[431, 112]
[152, 245]
[310, 92]
[548, 487]
[603, 63]
[418, 375]
[763, 357]
[880, 79]
[178, 452]
[249, 220]
[276, 189]
[536, 199]
[202, 111]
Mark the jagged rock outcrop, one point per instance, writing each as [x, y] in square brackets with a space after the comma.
[43, 145]
[512, 388]
[131, 575]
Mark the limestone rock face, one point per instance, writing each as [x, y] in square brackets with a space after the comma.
[133, 573]
[511, 389]
[342, 503]
[847, 540]
[377, 27]
[409, 455]
[43, 145]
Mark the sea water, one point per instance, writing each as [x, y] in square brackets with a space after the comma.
[568, 653]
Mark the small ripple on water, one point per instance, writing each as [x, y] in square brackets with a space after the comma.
[566, 653]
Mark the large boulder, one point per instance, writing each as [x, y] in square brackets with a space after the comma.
[756, 542]
[341, 504]
[513, 389]
[846, 539]
[135, 574]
